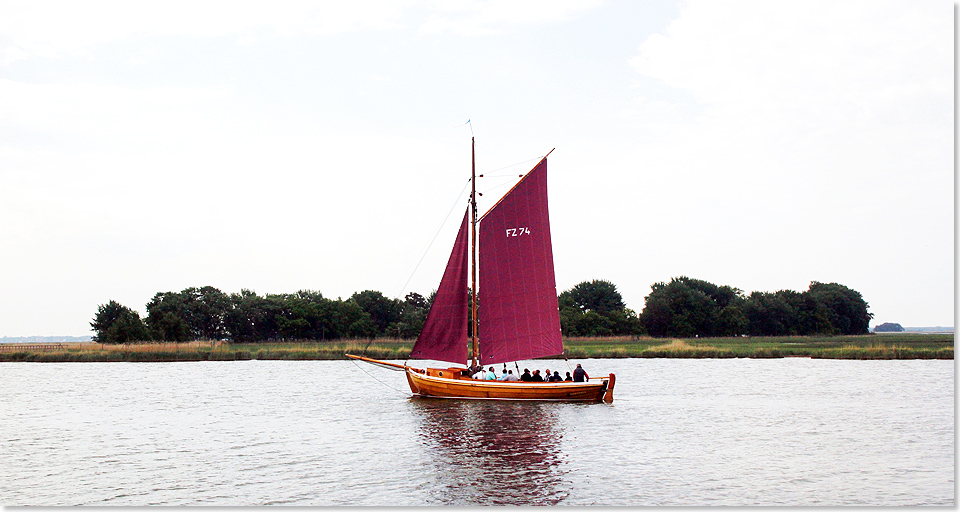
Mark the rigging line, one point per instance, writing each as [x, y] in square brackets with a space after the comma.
[522, 176]
[511, 165]
[432, 240]
[468, 122]
[504, 184]
[376, 379]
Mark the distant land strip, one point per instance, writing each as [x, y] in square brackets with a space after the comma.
[904, 345]
[80, 339]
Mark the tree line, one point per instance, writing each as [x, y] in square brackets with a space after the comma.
[210, 314]
[683, 307]
[687, 307]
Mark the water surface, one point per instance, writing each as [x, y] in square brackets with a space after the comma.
[680, 432]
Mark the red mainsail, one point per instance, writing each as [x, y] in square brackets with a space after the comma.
[517, 303]
[444, 334]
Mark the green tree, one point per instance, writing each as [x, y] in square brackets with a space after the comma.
[356, 322]
[207, 309]
[193, 313]
[732, 321]
[687, 307]
[773, 314]
[166, 317]
[413, 314]
[251, 317]
[843, 307]
[626, 322]
[266, 311]
[382, 311]
[888, 327]
[813, 317]
[116, 323]
[299, 315]
[592, 323]
[597, 295]
[303, 315]
[595, 308]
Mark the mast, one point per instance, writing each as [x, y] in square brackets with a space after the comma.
[473, 245]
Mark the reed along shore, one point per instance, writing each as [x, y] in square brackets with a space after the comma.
[871, 346]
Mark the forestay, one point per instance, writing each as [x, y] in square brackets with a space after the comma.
[444, 334]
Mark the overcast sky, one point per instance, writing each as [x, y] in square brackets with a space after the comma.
[153, 146]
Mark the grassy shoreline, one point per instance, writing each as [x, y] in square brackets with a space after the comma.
[873, 346]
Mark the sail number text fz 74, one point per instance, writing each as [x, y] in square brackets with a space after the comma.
[517, 231]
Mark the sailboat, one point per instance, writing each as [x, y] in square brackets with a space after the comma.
[515, 315]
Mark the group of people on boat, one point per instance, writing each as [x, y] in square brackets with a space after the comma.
[579, 375]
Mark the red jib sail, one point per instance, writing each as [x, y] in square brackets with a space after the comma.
[444, 334]
[517, 303]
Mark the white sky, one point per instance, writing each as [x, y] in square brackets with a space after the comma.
[153, 146]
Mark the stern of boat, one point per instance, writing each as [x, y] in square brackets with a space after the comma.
[608, 394]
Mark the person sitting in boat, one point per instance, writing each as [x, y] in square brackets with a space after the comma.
[536, 376]
[579, 374]
[480, 375]
[555, 377]
[508, 377]
[491, 374]
[569, 378]
[526, 377]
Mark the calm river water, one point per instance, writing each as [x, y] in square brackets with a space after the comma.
[680, 432]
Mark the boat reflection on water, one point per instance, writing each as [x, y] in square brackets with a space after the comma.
[493, 452]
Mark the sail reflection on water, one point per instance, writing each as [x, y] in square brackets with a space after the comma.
[493, 452]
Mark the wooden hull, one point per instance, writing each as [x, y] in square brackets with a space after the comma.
[431, 383]
[451, 383]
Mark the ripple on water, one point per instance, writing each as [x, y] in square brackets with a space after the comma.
[681, 432]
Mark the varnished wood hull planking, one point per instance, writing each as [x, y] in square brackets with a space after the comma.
[450, 383]
[438, 383]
